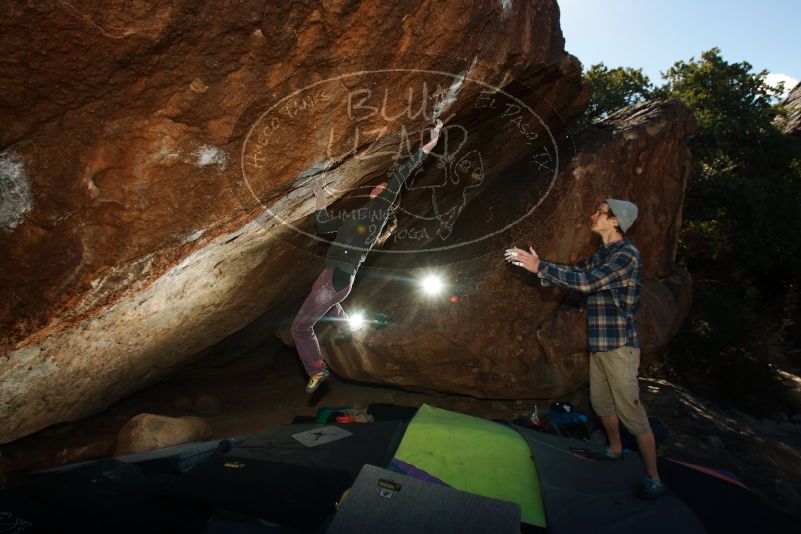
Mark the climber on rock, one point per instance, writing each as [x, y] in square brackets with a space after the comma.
[356, 232]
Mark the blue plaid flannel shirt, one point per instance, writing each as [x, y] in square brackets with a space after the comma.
[611, 280]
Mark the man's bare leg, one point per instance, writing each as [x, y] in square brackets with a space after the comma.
[647, 446]
[612, 426]
[645, 442]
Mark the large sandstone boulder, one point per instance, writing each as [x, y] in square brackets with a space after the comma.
[497, 333]
[157, 156]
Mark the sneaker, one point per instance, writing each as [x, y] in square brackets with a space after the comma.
[651, 489]
[316, 379]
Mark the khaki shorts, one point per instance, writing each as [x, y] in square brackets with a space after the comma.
[614, 389]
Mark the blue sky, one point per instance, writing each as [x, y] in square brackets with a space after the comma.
[653, 34]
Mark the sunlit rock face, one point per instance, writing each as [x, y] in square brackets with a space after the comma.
[495, 332]
[792, 123]
[156, 161]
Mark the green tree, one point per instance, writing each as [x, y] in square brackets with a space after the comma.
[613, 89]
[745, 187]
[739, 238]
[732, 105]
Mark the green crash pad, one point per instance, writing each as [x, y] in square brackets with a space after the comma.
[474, 455]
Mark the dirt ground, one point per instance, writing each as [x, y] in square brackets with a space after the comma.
[247, 395]
[257, 391]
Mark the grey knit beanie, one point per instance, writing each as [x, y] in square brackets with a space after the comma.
[624, 211]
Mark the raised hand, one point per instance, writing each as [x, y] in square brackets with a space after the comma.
[434, 137]
[527, 260]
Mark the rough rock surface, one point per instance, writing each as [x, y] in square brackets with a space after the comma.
[207, 405]
[154, 150]
[792, 123]
[135, 237]
[146, 432]
[497, 333]
[157, 162]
